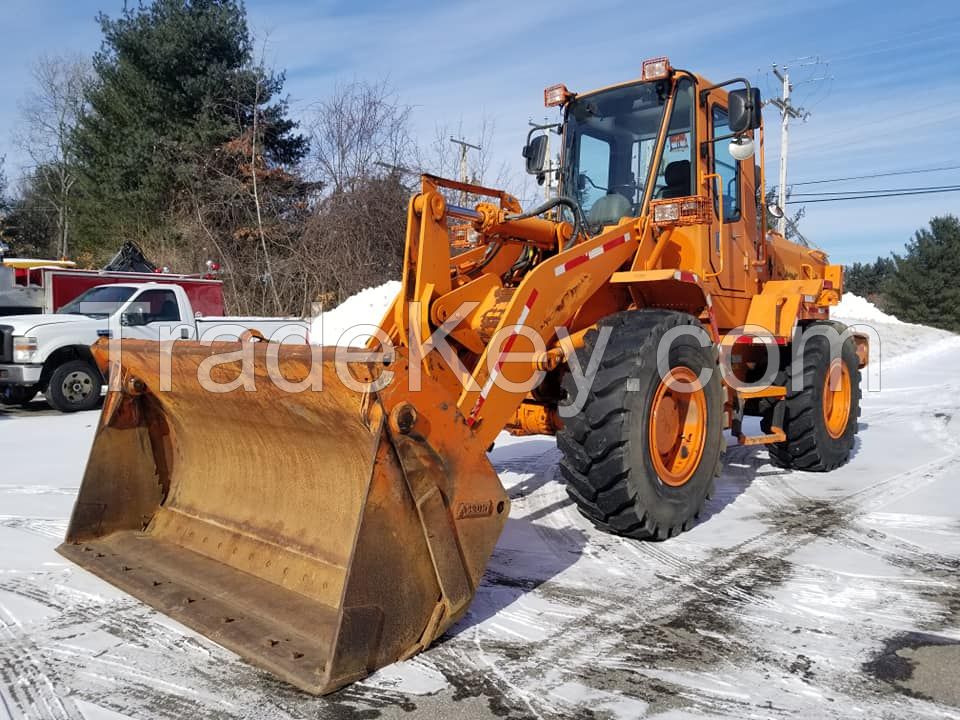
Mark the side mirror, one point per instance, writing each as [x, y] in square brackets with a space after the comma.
[775, 210]
[744, 109]
[536, 154]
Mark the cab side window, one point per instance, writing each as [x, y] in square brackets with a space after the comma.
[158, 306]
[594, 167]
[726, 166]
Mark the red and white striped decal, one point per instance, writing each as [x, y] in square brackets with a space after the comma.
[684, 276]
[507, 346]
[595, 253]
[764, 340]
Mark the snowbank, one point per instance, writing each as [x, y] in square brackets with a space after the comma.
[366, 309]
[854, 307]
[892, 341]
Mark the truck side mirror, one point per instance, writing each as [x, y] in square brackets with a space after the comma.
[134, 318]
[744, 109]
[536, 154]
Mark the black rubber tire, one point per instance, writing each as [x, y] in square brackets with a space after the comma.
[808, 445]
[18, 394]
[87, 375]
[606, 456]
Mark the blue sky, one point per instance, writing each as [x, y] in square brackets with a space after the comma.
[893, 102]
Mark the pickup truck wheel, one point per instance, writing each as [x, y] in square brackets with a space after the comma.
[18, 394]
[75, 386]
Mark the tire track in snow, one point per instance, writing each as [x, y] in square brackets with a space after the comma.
[737, 582]
[24, 677]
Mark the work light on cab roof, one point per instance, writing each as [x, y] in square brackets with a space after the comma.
[656, 69]
[556, 95]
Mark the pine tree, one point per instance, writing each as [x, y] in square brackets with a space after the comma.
[868, 279]
[174, 80]
[925, 288]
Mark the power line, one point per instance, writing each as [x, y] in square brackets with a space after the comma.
[867, 197]
[878, 190]
[877, 175]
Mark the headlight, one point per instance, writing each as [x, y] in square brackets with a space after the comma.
[666, 213]
[24, 349]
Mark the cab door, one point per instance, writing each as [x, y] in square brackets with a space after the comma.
[730, 240]
[154, 315]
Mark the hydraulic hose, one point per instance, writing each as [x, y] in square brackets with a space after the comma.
[567, 202]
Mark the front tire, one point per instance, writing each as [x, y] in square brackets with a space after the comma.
[822, 406]
[640, 457]
[74, 386]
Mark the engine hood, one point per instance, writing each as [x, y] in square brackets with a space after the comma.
[26, 324]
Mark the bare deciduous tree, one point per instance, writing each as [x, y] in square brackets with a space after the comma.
[3, 184]
[442, 157]
[50, 113]
[357, 131]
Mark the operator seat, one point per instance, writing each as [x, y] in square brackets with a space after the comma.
[677, 177]
[609, 209]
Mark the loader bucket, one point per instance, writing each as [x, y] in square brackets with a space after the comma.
[319, 534]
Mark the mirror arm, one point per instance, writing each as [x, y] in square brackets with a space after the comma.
[729, 136]
[536, 128]
[706, 91]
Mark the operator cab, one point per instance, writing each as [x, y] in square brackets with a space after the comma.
[611, 148]
[620, 150]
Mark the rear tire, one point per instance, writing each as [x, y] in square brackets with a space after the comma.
[612, 452]
[820, 433]
[74, 386]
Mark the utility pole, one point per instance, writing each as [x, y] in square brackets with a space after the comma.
[464, 171]
[787, 111]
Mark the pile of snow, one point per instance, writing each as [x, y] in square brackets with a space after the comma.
[854, 307]
[892, 341]
[352, 320]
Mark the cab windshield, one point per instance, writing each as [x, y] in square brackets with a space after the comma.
[99, 302]
[611, 139]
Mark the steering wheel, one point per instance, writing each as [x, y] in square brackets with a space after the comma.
[588, 179]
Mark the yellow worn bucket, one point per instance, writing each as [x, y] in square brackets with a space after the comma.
[319, 534]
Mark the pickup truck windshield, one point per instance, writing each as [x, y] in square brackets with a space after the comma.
[99, 302]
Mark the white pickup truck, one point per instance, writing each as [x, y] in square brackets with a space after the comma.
[51, 353]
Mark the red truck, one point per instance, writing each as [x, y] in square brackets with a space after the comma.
[26, 289]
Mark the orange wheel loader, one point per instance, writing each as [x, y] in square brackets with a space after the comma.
[324, 512]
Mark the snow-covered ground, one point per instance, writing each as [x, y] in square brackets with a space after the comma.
[797, 595]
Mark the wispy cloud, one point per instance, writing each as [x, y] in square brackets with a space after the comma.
[891, 104]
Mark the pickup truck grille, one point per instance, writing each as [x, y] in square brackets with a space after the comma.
[6, 343]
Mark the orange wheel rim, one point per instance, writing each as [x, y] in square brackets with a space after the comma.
[678, 426]
[836, 399]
